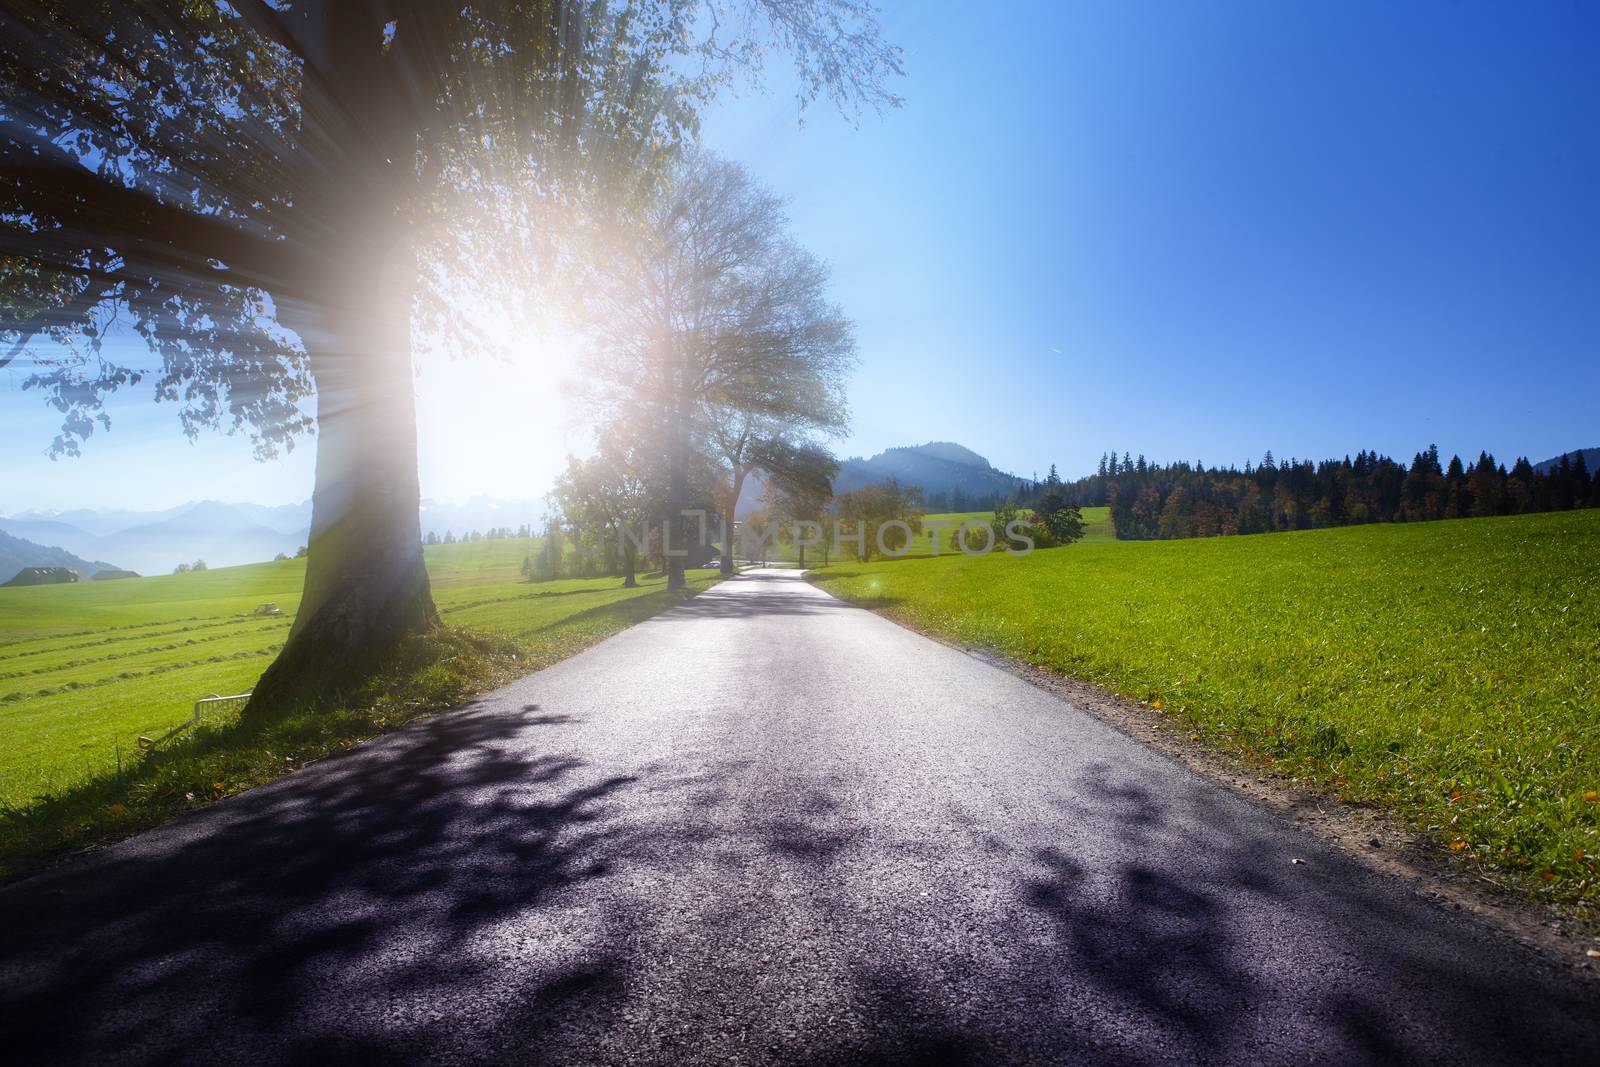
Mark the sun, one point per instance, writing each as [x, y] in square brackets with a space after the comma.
[499, 427]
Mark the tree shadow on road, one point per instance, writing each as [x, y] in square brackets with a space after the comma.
[460, 890]
[1168, 927]
[620, 614]
[1214, 942]
[385, 871]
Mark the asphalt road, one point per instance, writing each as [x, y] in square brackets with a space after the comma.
[762, 827]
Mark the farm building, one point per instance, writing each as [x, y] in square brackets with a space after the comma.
[45, 576]
[111, 574]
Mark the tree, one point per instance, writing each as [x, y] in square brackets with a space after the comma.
[711, 328]
[775, 352]
[1062, 522]
[869, 513]
[547, 564]
[277, 198]
[1005, 513]
[609, 495]
[198, 565]
[802, 500]
[182, 568]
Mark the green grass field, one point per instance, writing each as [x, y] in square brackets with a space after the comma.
[86, 668]
[1096, 521]
[1096, 529]
[1448, 672]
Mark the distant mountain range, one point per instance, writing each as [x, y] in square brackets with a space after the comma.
[16, 553]
[224, 535]
[1591, 457]
[153, 542]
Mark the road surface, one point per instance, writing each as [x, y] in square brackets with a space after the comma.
[762, 827]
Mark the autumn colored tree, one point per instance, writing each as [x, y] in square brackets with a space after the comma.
[888, 512]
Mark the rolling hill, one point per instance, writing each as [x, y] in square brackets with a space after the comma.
[1591, 459]
[938, 467]
[17, 553]
[224, 535]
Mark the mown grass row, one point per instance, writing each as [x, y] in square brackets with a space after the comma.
[71, 775]
[156, 654]
[65, 660]
[128, 674]
[1447, 672]
[57, 643]
[69, 717]
[56, 612]
[227, 755]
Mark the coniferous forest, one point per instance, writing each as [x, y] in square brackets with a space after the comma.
[1150, 501]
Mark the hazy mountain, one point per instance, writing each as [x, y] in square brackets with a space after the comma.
[938, 467]
[224, 535]
[16, 553]
[1591, 458]
[153, 542]
[53, 532]
[286, 517]
[96, 522]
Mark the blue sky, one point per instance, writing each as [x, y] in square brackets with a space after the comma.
[1195, 231]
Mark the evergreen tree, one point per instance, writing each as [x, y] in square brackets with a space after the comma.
[1178, 500]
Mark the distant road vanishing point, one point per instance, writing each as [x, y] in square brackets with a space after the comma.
[762, 827]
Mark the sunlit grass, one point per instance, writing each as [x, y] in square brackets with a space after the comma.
[1447, 672]
[86, 668]
[1096, 529]
[1096, 521]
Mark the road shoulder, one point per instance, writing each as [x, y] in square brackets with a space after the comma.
[1366, 835]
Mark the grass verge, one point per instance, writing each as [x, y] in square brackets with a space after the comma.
[1447, 673]
[428, 675]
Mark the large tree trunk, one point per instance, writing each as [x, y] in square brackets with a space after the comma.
[366, 588]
